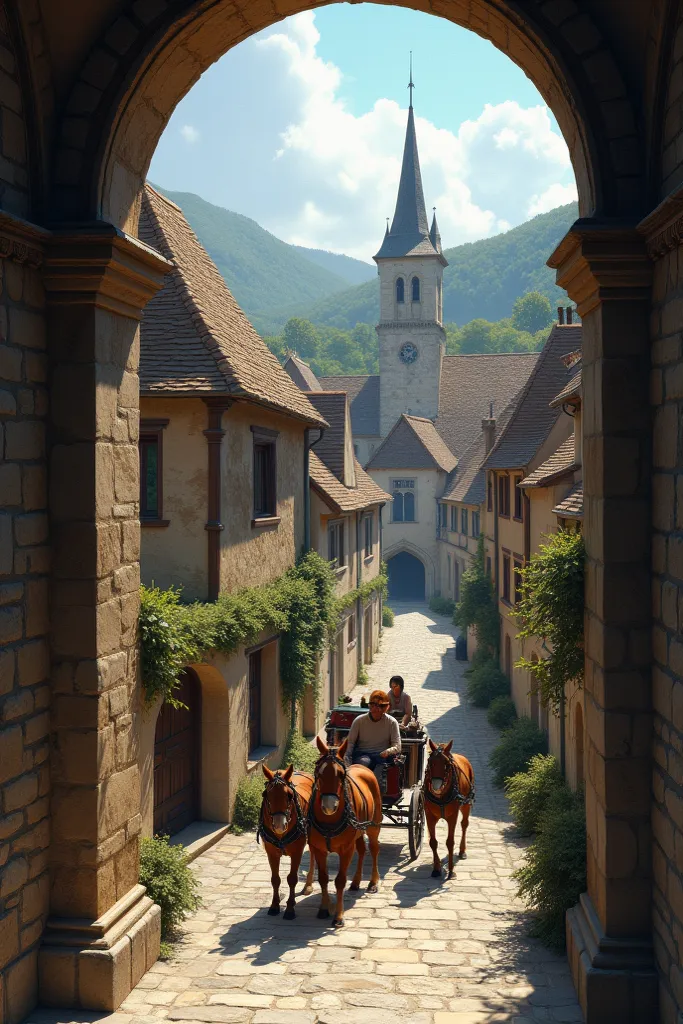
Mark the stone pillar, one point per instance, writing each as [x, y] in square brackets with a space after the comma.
[103, 932]
[606, 271]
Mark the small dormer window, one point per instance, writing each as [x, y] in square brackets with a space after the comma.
[400, 290]
[416, 289]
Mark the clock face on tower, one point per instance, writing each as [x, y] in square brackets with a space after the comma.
[408, 353]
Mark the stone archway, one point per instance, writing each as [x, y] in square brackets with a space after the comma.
[406, 577]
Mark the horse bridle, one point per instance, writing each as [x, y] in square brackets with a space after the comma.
[348, 818]
[453, 792]
[292, 801]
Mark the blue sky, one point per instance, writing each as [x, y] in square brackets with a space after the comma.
[301, 127]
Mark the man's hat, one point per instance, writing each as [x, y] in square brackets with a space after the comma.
[379, 697]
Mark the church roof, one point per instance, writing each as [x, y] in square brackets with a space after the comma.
[534, 418]
[194, 338]
[301, 373]
[365, 494]
[413, 443]
[409, 232]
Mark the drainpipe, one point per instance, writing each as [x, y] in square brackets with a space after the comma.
[214, 434]
[307, 486]
[360, 623]
[496, 557]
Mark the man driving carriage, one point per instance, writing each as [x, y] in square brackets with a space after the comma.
[374, 737]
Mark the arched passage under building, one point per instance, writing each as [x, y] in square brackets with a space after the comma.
[406, 577]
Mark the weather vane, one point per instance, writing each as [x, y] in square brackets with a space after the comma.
[410, 83]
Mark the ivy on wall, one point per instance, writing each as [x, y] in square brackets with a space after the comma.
[477, 605]
[378, 584]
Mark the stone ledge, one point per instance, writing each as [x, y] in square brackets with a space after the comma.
[199, 837]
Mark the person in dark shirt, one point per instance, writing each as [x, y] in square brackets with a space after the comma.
[399, 699]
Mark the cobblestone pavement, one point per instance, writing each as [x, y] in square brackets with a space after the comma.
[422, 951]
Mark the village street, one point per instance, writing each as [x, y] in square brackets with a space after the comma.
[422, 950]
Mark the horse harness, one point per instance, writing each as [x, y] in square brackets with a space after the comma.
[348, 818]
[299, 828]
[454, 793]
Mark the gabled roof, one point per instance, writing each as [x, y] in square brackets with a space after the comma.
[533, 418]
[561, 462]
[334, 448]
[574, 389]
[301, 373]
[409, 233]
[413, 443]
[194, 337]
[467, 482]
[363, 392]
[571, 507]
[365, 494]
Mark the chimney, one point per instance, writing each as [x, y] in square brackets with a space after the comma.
[560, 315]
[570, 313]
[489, 428]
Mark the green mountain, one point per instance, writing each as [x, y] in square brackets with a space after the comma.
[353, 271]
[482, 280]
[263, 273]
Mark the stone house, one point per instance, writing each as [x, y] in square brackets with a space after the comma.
[346, 529]
[223, 441]
[82, 112]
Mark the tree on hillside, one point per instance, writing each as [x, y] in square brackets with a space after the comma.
[532, 312]
[301, 336]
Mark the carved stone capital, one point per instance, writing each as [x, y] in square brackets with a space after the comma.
[601, 262]
[96, 264]
[663, 228]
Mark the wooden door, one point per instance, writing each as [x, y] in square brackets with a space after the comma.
[255, 700]
[176, 760]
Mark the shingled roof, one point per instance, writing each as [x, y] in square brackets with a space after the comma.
[363, 392]
[571, 507]
[194, 337]
[467, 482]
[572, 390]
[413, 443]
[365, 494]
[533, 417]
[560, 462]
[301, 373]
[332, 448]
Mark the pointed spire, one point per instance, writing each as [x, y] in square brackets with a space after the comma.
[434, 236]
[411, 84]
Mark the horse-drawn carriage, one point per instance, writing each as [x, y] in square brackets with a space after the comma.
[400, 778]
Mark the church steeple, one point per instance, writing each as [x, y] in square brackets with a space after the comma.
[434, 236]
[409, 233]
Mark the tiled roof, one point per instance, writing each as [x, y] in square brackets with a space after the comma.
[467, 482]
[469, 384]
[571, 507]
[560, 462]
[413, 443]
[572, 390]
[301, 373]
[194, 336]
[363, 395]
[365, 494]
[331, 448]
[533, 418]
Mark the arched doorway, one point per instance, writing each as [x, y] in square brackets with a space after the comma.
[406, 577]
[176, 759]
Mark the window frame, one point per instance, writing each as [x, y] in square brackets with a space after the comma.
[476, 524]
[504, 496]
[489, 493]
[517, 564]
[454, 518]
[352, 631]
[443, 515]
[400, 285]
[507, 562]
[519, 499]
[403, 492]
[369, 525]
[415, 280]
[336, 528]
[464, 521]
[265, 439]
[151, 432]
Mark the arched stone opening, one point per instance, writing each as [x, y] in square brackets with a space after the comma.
[406, 577]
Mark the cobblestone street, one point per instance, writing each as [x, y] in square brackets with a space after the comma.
[424, 950]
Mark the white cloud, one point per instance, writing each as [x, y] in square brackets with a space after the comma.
[343, 169]
[190, 134]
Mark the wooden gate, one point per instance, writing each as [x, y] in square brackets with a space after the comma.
[176, 760]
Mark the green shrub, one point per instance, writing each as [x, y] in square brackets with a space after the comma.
[553, 874]
[530, 791]
[169, 880]
[486, 682]
[299, 752]
[442, 606]
[480, 657]
[387, 615]
[248, 802]
[516, 747]
[501, 712]
[362, 679]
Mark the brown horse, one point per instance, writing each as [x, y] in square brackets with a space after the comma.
[346, 802]
[448, 788]
[282, 826]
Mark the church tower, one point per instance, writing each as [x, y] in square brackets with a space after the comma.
[410, 264]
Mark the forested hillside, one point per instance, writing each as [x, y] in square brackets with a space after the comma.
[483, 278]
[353, 271]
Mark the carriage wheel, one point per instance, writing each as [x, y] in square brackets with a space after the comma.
[416, 822]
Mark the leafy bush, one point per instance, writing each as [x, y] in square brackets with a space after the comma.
[169, 880]
[502, 712]
[248, 803]
[362, 678]
[477, 606]
[553, 874]
[442, 605]
[517, 746]
[529, 791]
[486, 682]
[387, 616]
[299, 752]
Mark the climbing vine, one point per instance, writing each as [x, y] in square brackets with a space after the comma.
[300, 606]
[477, 606]
[551, 609]
[378, 584]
